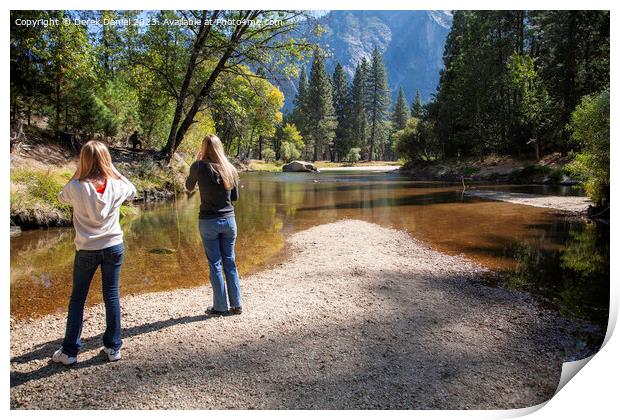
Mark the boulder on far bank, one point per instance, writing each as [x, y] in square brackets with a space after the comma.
[299, 166]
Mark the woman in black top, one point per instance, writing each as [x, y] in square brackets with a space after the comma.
[218, 183]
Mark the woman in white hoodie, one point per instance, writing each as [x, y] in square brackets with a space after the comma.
[96, 193]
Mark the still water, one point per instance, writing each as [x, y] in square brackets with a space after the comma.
[562, 261]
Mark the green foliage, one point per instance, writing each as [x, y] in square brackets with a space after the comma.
[512, 78]
[289, 152]
[268, 155]
[357, 96]
[377, 102]
[417, 109]
[354, 155]
[342, 110]
[401, 111]
[291, 142]
[590, 130]
[34, 198]
[321, 120]
[110, 80]
[416, 141]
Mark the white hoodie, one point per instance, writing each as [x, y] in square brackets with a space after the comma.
[95, 216]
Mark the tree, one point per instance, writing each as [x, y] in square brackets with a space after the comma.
[70, 58]
[357, 101]
[320, 108]
[572, 53]
[416, 141]
[490, 96]
[290, 141]
[401, 111]
[530, 106]
[227, 48]
[589, 129]
[417, 109]
[301, 99]
[342, 109]
[377, 100]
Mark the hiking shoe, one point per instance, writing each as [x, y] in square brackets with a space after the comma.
[113, 355]
[211, 311]
[60, 357]
[235, 310]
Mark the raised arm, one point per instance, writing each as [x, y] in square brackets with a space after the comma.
[65, 195]
[192, 178]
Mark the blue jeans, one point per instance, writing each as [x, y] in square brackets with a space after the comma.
[84, 266]
[218, 239]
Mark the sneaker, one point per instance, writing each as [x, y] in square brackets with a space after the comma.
[60, 357]
[235, 310]
[211, 311]
[113, 355]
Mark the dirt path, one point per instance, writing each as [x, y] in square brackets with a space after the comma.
[565, 203]
[360, 316]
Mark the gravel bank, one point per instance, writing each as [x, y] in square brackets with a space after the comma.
[371, 168]
[359, 316]
[565, 203]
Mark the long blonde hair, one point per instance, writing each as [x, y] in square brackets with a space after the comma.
[212, 150]
[95, 162]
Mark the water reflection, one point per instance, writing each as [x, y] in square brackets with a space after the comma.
[564, 262]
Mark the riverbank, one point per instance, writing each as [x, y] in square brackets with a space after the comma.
[359, 316]
[379, 166]
[571, 204]
[40, 169]
[492, 168]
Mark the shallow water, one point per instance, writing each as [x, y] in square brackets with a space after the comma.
[562, 261]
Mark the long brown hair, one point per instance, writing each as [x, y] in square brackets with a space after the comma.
[212, 150]
[95, 162]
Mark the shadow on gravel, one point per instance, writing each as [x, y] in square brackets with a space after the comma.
[458, 345]
[46, 350]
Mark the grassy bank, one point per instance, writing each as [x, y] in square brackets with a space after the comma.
[39, 173]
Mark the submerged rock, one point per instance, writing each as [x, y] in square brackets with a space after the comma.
[299, 166]
[15, 230]
[164, 251]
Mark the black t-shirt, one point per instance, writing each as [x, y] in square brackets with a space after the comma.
[215, 200]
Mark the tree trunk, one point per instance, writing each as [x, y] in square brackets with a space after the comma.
[57, 122]
[372, 139]
[172, 141]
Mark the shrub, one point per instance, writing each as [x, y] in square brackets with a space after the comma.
[353, 155]
[268, 155]
[589, 129]
[289, 152]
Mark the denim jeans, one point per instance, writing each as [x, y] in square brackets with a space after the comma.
[218, 239]
[84, 266]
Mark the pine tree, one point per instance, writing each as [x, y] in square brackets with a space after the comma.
[299, 112]
[377, 100]
[341, 108]
[401, 111]
[417, 109]
[321, 120]
[357, 97]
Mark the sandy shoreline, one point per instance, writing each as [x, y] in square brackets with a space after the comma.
[564, 203]
[371, 168]
[360, 316]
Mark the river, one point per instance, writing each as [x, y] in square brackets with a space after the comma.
[562, 261]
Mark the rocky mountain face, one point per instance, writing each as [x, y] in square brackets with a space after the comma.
[412, 43]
